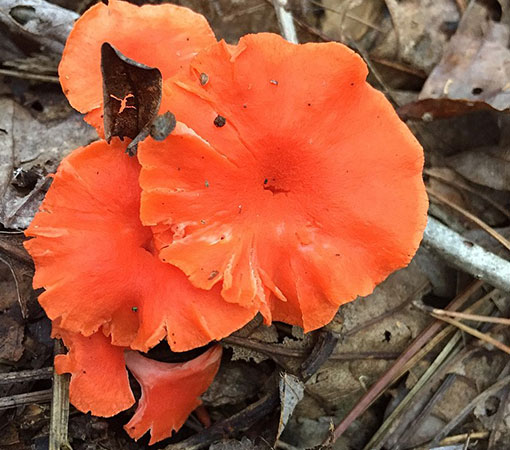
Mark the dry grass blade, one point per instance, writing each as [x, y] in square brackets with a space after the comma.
[501, 239]
[473, 332]
[59, 409]
[378, 439]
[466, 316]
[378, 387]
[26, 375]
[29, 76]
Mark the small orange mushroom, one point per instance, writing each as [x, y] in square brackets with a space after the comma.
[294, 184]
[170, 392]
[100, 384]
[94, 362]
[97, 265]
[163, 36]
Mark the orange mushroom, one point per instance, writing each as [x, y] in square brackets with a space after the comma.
[163, 36]
[170, 391]
[97, 265]
[294, 184]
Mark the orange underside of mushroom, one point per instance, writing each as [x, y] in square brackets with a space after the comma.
[309, 195]
[170, 391]
[95, 261]
[164, 36]
[94, 362]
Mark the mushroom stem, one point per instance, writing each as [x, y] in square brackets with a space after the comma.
[467, 256]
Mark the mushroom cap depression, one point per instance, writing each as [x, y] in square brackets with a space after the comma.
[293, 183]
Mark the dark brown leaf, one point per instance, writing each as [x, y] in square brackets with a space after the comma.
[131, 94]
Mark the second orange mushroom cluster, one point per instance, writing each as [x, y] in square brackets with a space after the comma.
[288, 187]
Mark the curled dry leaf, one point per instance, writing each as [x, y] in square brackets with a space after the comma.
[42, 23]
[292, 390]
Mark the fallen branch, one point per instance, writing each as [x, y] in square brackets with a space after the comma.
[467, 256]
[286, 21]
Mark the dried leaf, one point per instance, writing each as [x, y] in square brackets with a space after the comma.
[292, 390]
[11, 339]
[489, 166]
[39, 25]
[131, 95]
[476, 64]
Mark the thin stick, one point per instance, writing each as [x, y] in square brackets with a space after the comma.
[285, 20]
[275, 349]
[59, 408]
[25, 399]
[467, 316]
[501, 239]
[473, 332]
[29, 76]
[26, 375]
[465, 255]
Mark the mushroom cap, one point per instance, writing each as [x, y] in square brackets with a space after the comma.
[95, 261]
[170, 392]
[163, 36]
[294, 182]
[99, 379]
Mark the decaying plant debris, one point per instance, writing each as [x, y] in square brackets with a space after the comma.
[389, 372]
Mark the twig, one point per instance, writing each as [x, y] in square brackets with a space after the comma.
[26, 375]
[376, 389]
[59, 408]
[465, 255]
[238, 422]
[473, 332]
[467, 409]
[466, 316]
[276, 349]
[320, 353]
[501, 239]
[29, 76]
[25, 399]
[285, 20]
